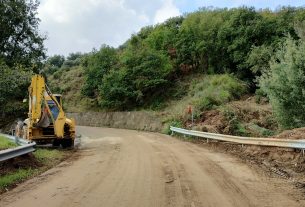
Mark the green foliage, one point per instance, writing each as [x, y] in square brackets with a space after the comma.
[235, 125]
[20, 41]
[220, 40]
[197, 44]
[21, 53]
[13, 82]
[47, 156]
[261, 131]
[284, 84]
[56, 60]
[259, 58]
[238, 41]
[216, 90]
[58, 73]
[169, 123]
[74, 56]
[96, 66]
[5, 143]
[53, 63]
[143, 73]
[69, 83]
[15, 177]
[260, 95]
[164, 36]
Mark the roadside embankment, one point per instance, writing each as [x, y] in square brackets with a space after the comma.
[137, 120]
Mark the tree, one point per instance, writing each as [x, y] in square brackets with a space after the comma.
[163, 37]
[143, 74]
[284, 84]
[74, 56]
[56, 60]
[21, 52]
[196, 45]
[96, 65]
[20, 41]
[13, 83]
[258, 59]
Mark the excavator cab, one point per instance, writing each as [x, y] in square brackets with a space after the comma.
[52, 105]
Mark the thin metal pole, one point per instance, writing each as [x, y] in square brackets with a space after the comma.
[192, 118]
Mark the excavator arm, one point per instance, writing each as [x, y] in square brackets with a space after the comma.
[36, 95]
[39, 107]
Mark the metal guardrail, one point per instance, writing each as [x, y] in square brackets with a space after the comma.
[25, 148]
[17, 140]
[297, 144]
[15, 152]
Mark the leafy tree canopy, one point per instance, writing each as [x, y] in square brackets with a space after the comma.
[20, 41]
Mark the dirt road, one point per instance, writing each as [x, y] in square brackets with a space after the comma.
[128, 168]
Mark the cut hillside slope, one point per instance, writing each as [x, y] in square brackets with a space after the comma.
[220, 103]
[69, 82]
[244, 117]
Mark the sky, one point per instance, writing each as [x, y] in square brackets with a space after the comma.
[81, 25]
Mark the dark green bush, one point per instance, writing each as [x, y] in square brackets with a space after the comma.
[284, 84]
[143, 73]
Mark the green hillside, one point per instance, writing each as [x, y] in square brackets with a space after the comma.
[205, 59]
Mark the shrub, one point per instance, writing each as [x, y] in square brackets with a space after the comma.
[284, 84]
[216, 90]
[174, 123]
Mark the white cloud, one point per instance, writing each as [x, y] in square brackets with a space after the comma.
[79, 25]
[167, 10]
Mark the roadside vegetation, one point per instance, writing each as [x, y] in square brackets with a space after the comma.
[21, 53]
[23, 168]
[5, 144]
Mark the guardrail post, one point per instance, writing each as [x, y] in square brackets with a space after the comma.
[207, 140]
[303, 152]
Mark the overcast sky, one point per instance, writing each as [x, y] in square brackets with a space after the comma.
[81, 25]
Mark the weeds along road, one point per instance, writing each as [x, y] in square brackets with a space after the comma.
[118, 168]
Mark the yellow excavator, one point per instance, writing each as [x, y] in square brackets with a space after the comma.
[46, 122]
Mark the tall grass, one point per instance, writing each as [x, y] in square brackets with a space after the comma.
[215, 90]
[16, 177]
[5, 143]
[205, 93]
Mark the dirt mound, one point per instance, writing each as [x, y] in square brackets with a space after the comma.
[298, 133]
[249, 111]
[211, 121]
[244, 117]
